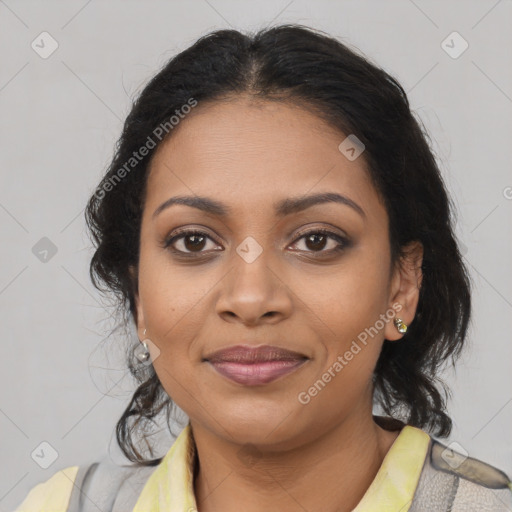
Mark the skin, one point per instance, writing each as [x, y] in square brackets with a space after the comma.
[259, 445]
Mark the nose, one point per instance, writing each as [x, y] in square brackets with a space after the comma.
[254, 292]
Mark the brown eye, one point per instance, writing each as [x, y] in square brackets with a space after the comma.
[318, 240]
[188, 242]
[194, 242]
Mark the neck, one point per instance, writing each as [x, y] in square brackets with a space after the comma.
[331, 473]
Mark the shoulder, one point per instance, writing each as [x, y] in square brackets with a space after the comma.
[453, 481]
[100, 485]
[52, 494]
[106, 485]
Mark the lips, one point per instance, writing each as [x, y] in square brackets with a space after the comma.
[255, 366]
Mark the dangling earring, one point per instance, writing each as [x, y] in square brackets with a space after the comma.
[400, 325]
[143, 355]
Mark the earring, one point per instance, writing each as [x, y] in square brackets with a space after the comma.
[400, 325]
[143, 355]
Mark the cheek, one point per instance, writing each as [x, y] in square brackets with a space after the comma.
[172, 307]
[348, 300]
[351, 305]
[171, 295]
[337, 392]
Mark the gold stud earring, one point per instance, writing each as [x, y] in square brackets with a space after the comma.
[400, 325]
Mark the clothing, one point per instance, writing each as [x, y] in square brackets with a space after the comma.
[418, 474]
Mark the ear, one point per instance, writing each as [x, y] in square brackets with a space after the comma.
[139, 313]
[405, 288]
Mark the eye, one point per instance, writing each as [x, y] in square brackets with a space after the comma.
[317, 240]
[196, 241]
[191, 241]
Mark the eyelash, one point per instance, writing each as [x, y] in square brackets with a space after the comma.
[343, 243]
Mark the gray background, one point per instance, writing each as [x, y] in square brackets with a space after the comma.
[61, 117]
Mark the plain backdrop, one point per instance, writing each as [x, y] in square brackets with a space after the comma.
[61, 381]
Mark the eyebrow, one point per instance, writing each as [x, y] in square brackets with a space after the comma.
[282, 208]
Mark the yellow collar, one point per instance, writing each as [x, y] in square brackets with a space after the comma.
[170, 487]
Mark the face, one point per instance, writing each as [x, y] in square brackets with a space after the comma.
[312, 278]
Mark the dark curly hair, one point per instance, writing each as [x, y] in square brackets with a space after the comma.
[305, 66]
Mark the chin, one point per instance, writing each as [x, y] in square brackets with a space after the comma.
[264, 426]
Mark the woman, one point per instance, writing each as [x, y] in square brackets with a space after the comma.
[276, 226]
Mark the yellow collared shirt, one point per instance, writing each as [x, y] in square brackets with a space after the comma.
[170, 486]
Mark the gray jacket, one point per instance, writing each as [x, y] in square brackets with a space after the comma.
[470, 487]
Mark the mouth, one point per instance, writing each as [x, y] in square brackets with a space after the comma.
[255, 366]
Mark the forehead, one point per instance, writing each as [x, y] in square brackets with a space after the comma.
[251, 154]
